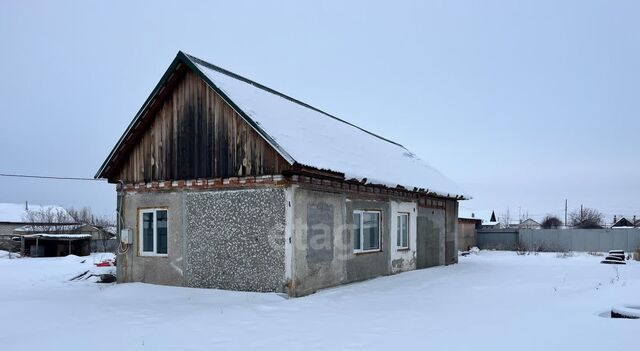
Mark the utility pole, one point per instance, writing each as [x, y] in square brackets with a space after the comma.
[565, 213]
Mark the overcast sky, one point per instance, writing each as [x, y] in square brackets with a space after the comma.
[523, 103]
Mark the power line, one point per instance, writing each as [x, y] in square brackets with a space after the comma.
[47, 177]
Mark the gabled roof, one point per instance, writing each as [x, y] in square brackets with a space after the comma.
[305, 135]
[623, 222]
[531, 221]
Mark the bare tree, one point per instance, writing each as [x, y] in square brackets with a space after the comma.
[505, 219]
[48, 219]
[551, 222]
[85, 215]
[104, 224]
[586, 218]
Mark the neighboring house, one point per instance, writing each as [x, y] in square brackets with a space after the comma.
[225, 183]
[529, 224]
[14, 216]
[622, 223]
[490, 225]
[20, 222]
[467, 235]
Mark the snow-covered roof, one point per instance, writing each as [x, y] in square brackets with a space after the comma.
[464, 212]
[489, 223]
[58, 227]
[57, 236]
[308, 136]
[18, 213]
[530, 221]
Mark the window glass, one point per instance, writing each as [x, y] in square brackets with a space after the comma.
[356, 230]
[161, 228]
[399, 232]
[147, 231]
[370, 231]
[403, 230]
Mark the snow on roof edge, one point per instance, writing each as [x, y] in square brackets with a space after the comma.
[199, 64]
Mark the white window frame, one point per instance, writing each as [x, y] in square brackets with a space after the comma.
[361, 234]
[399, 229]
[153, 253]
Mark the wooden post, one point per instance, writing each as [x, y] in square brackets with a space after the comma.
[36, 248]
[69, 253]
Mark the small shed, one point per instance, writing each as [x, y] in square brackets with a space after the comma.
[55, 245]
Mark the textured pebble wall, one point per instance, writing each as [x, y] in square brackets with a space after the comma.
[235, 239]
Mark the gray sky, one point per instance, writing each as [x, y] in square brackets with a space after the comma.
[523, 103]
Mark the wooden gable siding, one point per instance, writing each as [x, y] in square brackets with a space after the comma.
[196, 134]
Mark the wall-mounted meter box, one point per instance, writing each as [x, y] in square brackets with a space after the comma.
[125, 236]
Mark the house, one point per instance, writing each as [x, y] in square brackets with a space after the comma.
[225, 183]
[22, 224]
[623, 222]
[529, 224]
[492, 223]
[14, 216]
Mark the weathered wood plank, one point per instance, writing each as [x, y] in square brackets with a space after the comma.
[193, 134]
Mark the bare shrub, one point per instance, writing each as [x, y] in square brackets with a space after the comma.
[521, 250]
[586, 218]
[551, 222]
[47, 219]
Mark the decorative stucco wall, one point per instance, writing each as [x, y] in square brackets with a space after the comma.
[274, 239]
[235, 239]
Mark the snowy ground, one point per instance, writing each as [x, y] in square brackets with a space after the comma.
[493, 300]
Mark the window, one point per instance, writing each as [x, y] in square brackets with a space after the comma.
[366, 231]
[403, 231]
[153, 232]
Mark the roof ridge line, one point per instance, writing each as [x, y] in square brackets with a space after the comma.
[282, 95]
